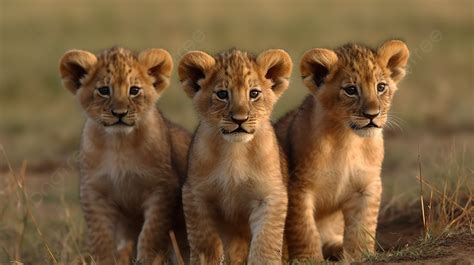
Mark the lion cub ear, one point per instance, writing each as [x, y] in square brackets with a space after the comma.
[74, 65]
[394, 54]
[159, 64]
[193, 67]
[317, 65]
[276, 65]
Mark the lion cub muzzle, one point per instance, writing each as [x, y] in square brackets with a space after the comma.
[368, 121]
[119, 116]
[237, 128]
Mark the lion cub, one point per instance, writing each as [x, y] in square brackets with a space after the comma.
[132, 158]
[335, 147]
[235, 197]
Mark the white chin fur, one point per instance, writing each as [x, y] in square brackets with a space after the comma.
[119, 129]
[368, 132]
[238, 137]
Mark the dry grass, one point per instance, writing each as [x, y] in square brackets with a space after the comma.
[446, 215]
[18, 216]
[52, 231]
[431, 247]
[56, 239]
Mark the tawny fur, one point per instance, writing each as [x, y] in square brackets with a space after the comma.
[235, 197]
[335, 161]
[131, 172]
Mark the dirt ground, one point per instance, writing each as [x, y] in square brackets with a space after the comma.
[407, 229]
[457, 249]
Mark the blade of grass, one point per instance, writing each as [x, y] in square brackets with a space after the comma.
[177, 252]
[421, 197]
[19, 182]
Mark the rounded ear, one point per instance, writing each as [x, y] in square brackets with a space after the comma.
[159, 65]
[193, 67]
[276, 65]
[74, 65]
[316, 65]
[394, 54]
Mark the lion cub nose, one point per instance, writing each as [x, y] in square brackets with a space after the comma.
[371, 113]
[239, 119]
[120, 113]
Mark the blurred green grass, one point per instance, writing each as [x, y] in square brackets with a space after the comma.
[40, 121]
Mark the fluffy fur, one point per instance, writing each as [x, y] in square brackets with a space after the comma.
[235, 197]
[335, 147]
[133, 160]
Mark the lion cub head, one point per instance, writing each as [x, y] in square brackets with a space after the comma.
[118, 88]
[234, 92]
[355, 84]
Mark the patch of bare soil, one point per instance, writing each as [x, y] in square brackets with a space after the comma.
[456, 249]
[399, 240]
[396, 232]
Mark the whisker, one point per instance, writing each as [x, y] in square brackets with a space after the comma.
[393, 125]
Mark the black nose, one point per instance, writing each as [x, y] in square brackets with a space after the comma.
[371, 114]
[119, 113]
[240, 120]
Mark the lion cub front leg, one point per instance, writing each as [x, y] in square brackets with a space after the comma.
[238, 249]
[204, 241]
[101, 218]
[153, 240]
[360, 218]
[302, 233]
[267, 222]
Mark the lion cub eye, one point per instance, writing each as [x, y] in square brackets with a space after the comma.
[104, 91]
[381, 87]
[222, 94]
[350, 90]
[254, 93]
[134, 90]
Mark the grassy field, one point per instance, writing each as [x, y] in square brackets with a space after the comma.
[40, 121]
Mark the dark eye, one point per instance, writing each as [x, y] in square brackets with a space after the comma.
[104, 91]
[222, 94]
[350, 90]
[134, 90]
[381, 87]
[254, 93]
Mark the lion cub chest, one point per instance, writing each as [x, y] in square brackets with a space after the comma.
[122, 175]
[233, 179]
[344, 172]
[237, 182]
